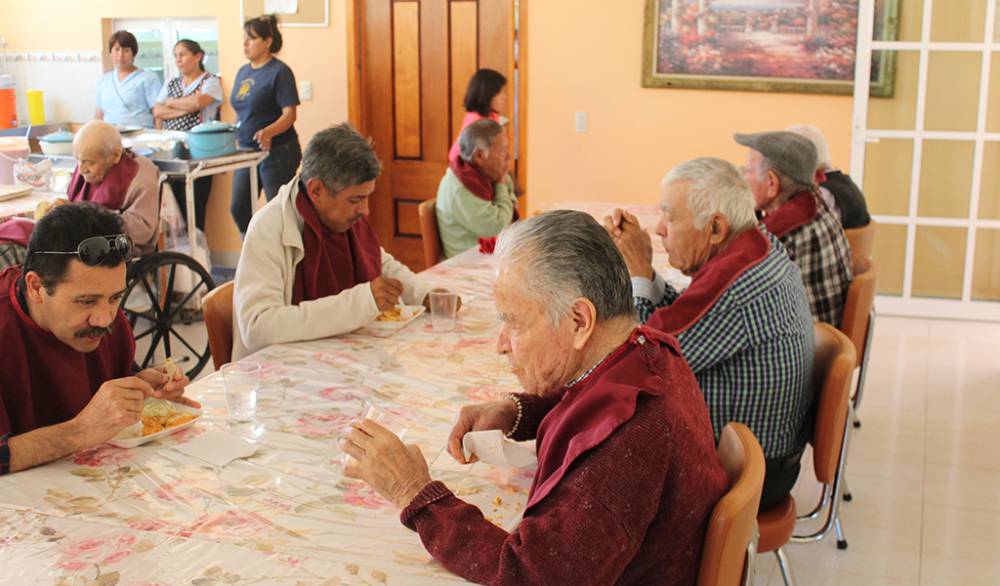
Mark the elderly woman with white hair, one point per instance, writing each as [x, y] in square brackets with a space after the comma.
[627, 472]
[743, 324]
[839, 192]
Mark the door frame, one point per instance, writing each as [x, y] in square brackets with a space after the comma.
[906, 304]
[355, 82]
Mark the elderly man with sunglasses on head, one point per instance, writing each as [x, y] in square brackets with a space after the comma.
[66, 381]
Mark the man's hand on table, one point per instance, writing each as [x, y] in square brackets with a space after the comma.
[397, 472]
[386, 292]
[116, 405]
[632, 241]
[496, 415]
[165, 387]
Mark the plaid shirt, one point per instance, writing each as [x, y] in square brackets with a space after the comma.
[821, 250]
[752, 352]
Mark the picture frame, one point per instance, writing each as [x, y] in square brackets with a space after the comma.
[802, 46]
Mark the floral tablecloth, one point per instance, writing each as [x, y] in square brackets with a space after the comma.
[153, 515]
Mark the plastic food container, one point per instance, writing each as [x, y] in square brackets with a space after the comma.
[59, 142]
[212, 139]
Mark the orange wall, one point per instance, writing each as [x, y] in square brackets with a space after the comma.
[318, 55]
[586, 56]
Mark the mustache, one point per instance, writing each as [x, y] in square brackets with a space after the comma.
[92, 332]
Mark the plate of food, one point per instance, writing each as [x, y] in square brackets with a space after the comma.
[159, 418]
[397, 317]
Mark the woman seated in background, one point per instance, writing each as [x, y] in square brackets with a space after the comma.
[186, 101]
[126, 94]
[265, 99]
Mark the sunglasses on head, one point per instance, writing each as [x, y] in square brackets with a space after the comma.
[96, 249]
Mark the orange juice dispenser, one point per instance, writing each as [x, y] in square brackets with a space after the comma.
[8, 103]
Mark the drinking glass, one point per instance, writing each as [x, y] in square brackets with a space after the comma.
[444, 308]
[242, 381]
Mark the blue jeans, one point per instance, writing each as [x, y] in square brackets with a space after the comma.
[273, 172]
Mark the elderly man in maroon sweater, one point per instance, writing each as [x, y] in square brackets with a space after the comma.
[627, 470]
[66, 381]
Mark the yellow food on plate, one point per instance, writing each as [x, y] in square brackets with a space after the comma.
[156, 423]
[41, 209]
[393, 314]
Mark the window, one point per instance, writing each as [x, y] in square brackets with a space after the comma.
[158, 36]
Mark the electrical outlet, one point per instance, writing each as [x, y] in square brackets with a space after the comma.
[581, 122]
[305, 90]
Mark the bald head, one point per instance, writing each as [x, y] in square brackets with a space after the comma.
[97, 147]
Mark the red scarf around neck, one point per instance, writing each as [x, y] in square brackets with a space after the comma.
[711, 281]
[110, 192]
[480, 185]
[333, 261]
[17, 230]
[800, 209]
[593, 409]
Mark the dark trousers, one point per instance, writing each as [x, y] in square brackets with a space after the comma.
[780, 475]
[276, 170]
[202, 189]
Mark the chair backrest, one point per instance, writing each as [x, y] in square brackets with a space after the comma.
[859, 303]
[833, 369]
[217, 307]
[429, 231]
[862, 241]
[731, 529]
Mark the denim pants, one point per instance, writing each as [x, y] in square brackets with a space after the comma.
[276, 170]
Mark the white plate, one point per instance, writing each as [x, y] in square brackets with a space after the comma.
[410, 312]
[125, 439]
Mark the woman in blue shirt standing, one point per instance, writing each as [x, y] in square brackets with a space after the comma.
[126, 94]
[265, 99]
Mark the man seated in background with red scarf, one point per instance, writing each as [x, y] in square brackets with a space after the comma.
[66, 379]
[312, 266]
[627, 471]
[111, 176]
[475, 198]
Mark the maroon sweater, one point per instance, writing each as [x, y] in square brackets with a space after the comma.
[631, 509]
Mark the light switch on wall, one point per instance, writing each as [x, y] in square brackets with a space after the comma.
[581, 121]
[305, 90]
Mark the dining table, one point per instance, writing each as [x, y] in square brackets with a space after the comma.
[286, 514]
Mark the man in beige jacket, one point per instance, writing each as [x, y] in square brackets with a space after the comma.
[312, 266]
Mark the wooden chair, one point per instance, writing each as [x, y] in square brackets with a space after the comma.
[218, 310]
[833, 366]
[858, 322]
[862, 241]
[429, 232]
[730, 540]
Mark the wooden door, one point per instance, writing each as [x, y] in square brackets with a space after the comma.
[416, 58]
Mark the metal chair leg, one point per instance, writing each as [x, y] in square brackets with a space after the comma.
[841, 540]
[848, 497]
[786, 567]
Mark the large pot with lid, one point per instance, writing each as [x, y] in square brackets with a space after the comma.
[212, 139]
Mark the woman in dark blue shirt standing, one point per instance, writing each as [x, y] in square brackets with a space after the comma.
[265, 99]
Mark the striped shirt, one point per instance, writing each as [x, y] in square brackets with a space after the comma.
[752, 352]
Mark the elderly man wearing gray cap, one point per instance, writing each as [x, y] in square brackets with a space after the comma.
[780, 168]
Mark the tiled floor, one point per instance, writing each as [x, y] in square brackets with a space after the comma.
[924, 467]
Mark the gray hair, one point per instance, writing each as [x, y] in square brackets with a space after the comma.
[340, 158]
[566, 255]
[716, 187]
[815, 136]
[478, 136]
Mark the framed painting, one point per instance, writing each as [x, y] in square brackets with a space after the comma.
[763, 45]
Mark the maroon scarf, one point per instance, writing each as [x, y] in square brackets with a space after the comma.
[44, 381]
[333, 261]
[712, 280]
[592, 410]
[110, 192]
[17, 230]
[480, 185]
[800, 209]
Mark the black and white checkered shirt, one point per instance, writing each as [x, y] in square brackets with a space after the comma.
[752, 352]
[823, 255]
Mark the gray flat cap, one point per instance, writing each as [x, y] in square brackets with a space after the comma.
[790, 154]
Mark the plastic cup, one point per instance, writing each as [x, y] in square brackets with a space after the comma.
[394, 423]
[242, 381]
[444, 308]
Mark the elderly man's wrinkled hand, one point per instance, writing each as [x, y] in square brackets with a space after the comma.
[636, 247]
[167, 387]
[397, 472]
[496, 415]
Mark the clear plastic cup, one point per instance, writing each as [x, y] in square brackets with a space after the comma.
[380, 415]
[242, 382]
[444, 308]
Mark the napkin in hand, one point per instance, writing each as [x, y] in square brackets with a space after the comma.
[492, 447]
[217, 447]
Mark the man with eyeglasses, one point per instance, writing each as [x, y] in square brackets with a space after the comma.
[66, 381]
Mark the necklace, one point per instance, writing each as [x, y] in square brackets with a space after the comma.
[588, 372]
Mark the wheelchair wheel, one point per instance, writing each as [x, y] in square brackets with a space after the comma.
[164, 290]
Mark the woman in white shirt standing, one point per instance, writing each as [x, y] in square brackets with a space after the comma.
[126, 94]
[186, 101]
